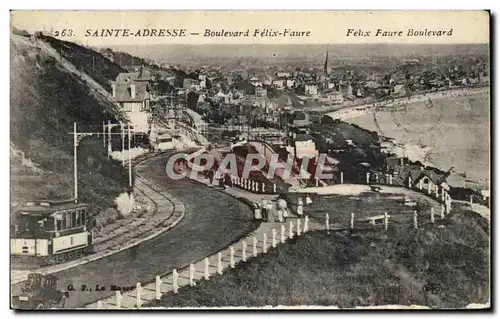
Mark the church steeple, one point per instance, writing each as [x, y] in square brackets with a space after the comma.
[326, 63]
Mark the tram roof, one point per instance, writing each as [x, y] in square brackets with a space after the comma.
[41, 207]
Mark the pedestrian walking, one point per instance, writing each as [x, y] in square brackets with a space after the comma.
[308, 200]
[210, 174]
[264, 209]
[257, 212]
[271, 211]
[300, 207]
[282, 210]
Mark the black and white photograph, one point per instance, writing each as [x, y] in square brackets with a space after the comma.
[250, 160]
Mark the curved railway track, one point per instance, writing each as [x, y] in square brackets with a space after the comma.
[212, 221]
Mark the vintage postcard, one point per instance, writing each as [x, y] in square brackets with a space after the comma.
[250, 160]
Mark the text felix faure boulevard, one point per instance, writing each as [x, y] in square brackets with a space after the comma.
[399, 33]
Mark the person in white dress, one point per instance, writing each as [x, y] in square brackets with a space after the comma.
[308, 200]
[282, 210]
[300, 207]
[257, 213]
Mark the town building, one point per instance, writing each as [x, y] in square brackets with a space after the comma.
[311, 89]
[134, 99]
[279, 83]
[261, 92]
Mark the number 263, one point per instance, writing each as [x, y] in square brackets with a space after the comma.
[64, 33]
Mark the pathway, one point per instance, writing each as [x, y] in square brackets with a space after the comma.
[258, 242]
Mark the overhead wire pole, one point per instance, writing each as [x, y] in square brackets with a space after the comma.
[129, 161]
[122, 131]
[75, 162]
[110, 148]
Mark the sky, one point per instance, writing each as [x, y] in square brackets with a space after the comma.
[324, 27]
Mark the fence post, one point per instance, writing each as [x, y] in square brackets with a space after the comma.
[390, 179]
[298, 226]
[175, 278]
[415, 219]
[352, 221]
[317, 181]
[274, 238]
[206, 274]
[409, 181]
[157, 287]
[263, 187]
[254, 244]
[191, 275]
[219, 263]
[231, 257]
[264, 243]
[386, 221]
[432, 215]
[327, 222]
[341, 177]
[367, 178]
[282, 234]
[118, 299]
[306, 224]
[290, 233]
[471, 200]
[376, 178]
[274, 188]
[442, 211]
[244, 251]
[138, 289]
[99, 304]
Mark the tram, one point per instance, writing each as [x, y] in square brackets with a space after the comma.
[51, 232]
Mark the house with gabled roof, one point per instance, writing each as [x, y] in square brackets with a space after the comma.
[143, 75]
[433, 182]
[134, 99]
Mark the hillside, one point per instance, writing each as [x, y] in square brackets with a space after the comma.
[88, 61]
[48, 94]
[437, 267]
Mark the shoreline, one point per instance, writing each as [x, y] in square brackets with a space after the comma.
[368, 107]
[414, 152]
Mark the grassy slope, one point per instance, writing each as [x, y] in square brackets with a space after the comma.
[45, 101]
[437, 267]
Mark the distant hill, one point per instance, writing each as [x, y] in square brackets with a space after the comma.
[47, 95]
[237, 54]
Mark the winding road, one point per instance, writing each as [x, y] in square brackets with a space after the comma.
[212, 221]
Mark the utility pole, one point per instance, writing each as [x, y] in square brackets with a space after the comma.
[75, 162]
[110, 148]
[129, 161]
[122, 131]
[76, 138]
[104, 134]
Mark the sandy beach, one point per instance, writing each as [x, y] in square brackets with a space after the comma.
[453, 131]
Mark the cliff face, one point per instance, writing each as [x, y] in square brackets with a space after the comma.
[48, 94]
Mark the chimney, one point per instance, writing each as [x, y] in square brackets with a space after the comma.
[132, 91]
[113, 90]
